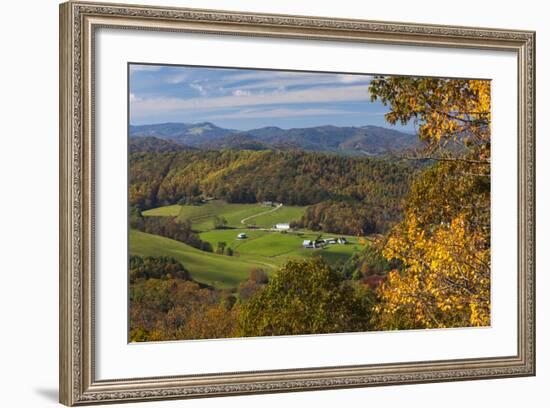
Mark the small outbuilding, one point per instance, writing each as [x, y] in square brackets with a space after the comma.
[242, 235]
[282, 227]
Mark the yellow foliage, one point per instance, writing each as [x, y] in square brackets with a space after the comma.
[443, 243]
[446, 278]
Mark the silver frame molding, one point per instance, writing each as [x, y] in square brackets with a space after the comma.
[78, 22]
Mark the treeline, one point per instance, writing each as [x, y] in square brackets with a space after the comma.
[154, 144]
[169, 227]
[351, 217]
[156, 268]
[289, 177]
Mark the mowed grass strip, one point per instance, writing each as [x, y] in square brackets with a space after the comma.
[220, 271]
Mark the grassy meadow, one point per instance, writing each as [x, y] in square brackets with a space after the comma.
[263, 248]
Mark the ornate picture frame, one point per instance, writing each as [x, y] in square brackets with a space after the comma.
[78, 24]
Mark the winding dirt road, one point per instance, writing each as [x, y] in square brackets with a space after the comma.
[243, 221]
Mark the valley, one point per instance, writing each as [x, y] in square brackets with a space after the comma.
[263, 247]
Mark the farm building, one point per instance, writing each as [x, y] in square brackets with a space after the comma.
[313, 243]
[308, 244]
[242, 235]
[282, 227]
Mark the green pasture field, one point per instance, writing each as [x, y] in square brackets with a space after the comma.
[277, 247]
[262, 248]
[202, 216]
[217, 270]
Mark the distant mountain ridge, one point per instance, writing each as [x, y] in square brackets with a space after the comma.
[362, 140]
[193, 134]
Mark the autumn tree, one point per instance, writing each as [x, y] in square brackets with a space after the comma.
[174, 309]
[446, 111]
[257, 278]
[306, 297]
[446, 280]
[161, 267]
[211, 322]
[443, 242]
[258, 275]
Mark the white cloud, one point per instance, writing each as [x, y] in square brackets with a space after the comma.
[198, 87]
[176, 78]
[279, 113]
[161, 105]
[277, 80]
[240, 92]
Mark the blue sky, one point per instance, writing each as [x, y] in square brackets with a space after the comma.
[245, 99]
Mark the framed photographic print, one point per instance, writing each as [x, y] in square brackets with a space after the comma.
[258, 203]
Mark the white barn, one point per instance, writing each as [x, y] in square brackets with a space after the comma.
[282, 227]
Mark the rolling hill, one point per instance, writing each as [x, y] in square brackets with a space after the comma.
[216, 270]
[262, 247]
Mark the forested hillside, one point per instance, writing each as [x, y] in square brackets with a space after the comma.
[364, 187]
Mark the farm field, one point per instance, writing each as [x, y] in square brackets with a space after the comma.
[262, 249]
[202, 216]
[276, 245]
[280, 248]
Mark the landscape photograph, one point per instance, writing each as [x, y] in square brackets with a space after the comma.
[276, 203]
